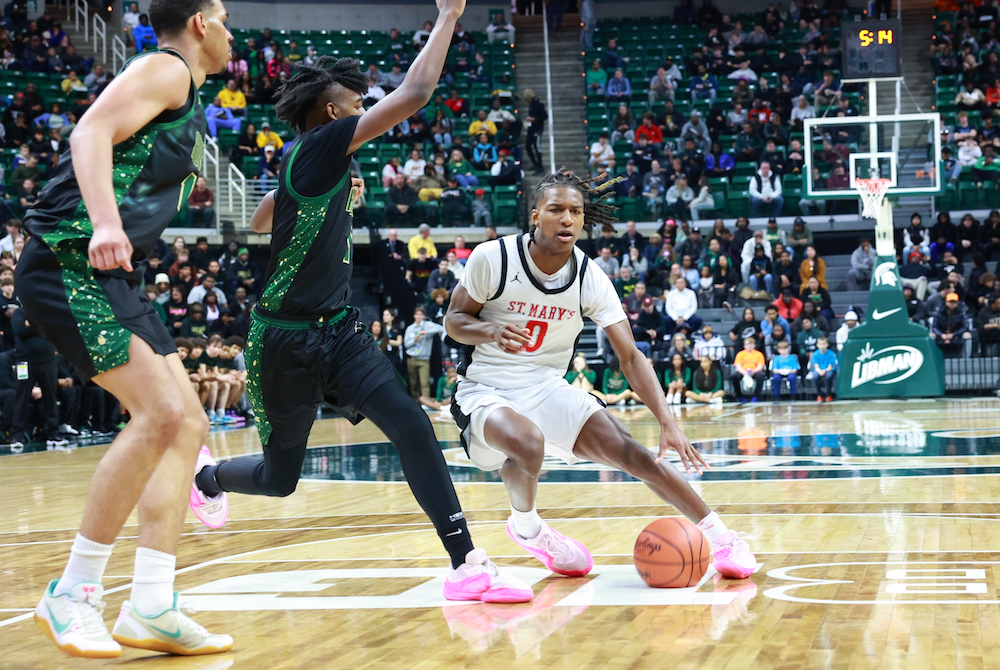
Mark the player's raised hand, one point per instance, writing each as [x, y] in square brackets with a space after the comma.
[110, 248]
[453, 7]
[673, 438]
[511, 338]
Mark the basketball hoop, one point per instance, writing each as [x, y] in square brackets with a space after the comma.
[872, 191]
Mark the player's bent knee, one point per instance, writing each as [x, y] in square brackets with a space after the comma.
[527, 448]
[161, 424]
[280, 488]
[518, 438]
[196, 424]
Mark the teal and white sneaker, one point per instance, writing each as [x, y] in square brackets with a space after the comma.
[74, 622]
[172, 632]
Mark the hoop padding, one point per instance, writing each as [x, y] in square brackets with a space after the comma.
[872, 191]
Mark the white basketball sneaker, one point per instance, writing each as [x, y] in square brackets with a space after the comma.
[172, 632]
[74, 622]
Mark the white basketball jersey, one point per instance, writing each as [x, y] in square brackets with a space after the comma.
[502, 276]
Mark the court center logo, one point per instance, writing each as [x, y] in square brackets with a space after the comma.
[885, 274]
[889, 365]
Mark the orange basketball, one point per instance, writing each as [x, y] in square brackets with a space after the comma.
[671, 554]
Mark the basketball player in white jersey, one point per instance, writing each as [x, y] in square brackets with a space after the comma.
[520, 304]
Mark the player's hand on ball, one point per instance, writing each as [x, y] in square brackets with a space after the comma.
[110, 248]
[453, 7]
[673, 438]
[512, 339]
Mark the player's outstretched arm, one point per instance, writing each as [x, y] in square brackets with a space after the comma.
[263, 216]
[642, 379]
[418, 86]
[149, 87]
[463, 325]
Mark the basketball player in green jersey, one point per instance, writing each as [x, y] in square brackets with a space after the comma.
[306, 343]
[133, 159]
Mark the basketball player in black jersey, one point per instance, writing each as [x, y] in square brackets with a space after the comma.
[306, 345]
[133, 158]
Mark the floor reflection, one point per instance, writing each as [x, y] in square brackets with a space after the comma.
[755, 453]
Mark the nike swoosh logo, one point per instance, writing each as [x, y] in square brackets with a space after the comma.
[878, 316]
[176, 634]
[457, 532]
[60, 627]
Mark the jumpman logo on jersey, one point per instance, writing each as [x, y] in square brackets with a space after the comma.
[517, 278]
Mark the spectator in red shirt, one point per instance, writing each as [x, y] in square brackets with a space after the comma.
[993, 93]
[650, 131]
[839, 178]
[461, 251]
[200, 203]
[760, 111]
[458, 106]
[788, 305]
[277, 65]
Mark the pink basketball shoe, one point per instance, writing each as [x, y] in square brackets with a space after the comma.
[560, 554]
[480, 579]
[732, 557]
[214, 511]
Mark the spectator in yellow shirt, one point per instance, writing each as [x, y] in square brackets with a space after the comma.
[267, 136]
[748, 368]
[233, 99]
[422, 240]
[481, 125]
[72, 83]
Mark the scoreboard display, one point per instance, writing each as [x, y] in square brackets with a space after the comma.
[871, 49]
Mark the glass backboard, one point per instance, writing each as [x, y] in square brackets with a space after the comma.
[905, 148]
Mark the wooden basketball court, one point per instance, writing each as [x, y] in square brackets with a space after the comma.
[876, 526]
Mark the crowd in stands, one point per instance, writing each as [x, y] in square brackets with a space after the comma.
[965, 56]
[203, 297]
[456, 155]
[664, 281]
[961, 308]
[726, 115]
[466, 142]
[49, 87]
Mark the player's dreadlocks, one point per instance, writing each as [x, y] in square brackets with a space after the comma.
[299, 94]
[595, 211]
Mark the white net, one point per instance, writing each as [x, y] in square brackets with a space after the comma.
[872, 191]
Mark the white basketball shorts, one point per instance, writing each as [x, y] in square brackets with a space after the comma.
[559, 410]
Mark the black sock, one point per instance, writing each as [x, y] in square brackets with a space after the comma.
[406, 425]
[459, 543]
[206, 483]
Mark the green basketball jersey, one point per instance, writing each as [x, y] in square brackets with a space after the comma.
[154, 173]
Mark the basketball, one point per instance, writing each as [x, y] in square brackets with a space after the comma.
[671, 554]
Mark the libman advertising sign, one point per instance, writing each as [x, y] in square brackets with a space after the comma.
[890, 365]
[888, 355]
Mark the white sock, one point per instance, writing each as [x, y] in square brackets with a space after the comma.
[670, 398]
[153, 582]
[527, 524]
[713, 528]
[87, 562]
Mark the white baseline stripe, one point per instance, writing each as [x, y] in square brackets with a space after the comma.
[485, 522]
